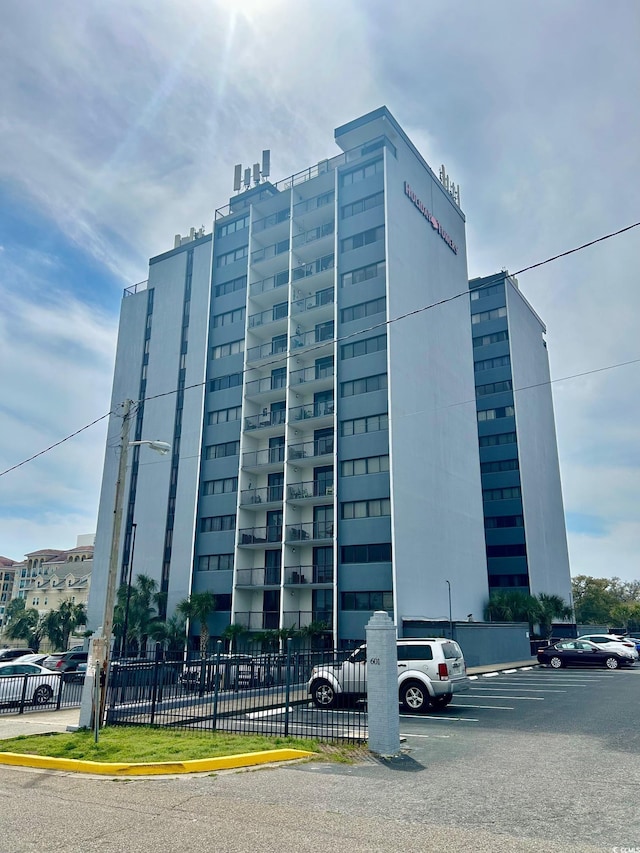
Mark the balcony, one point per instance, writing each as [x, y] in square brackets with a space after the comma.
[296, 575]
[324, 297]
[320, 414]
[269, 458]
[267, 389]
[311, 449]
[317, 378]
[311, 205]
[316, 338]
[268, 252]
[307, 244]
[303, 618]
[277, 218]
[318, 267]
[258, 620]
[265, 420]
[260, 536]
[258, 577]
[310, 490]
[271, 315]
[267, 350]
[261, 496]
[310, 531]
[269, 284]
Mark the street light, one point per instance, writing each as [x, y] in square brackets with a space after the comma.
[125, 626]
[450, 619]
[101, 645]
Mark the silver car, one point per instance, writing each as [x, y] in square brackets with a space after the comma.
[27, 682]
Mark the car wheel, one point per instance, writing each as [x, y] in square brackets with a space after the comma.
[556, 662]
[612, 663]
[414, 696]
[323, 694]
[441, 701]
[42, 695]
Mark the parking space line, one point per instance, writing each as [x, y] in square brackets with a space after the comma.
[515, 698]
[446, 719]
[402, 734]
[486, 707]
[521, 689]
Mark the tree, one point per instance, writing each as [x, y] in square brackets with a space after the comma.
[550, 607]
[69, 616]
[170, 633]
[232, 633]
[198, 607]
[593, 599]
[24, 624]
[511, 606]
[136, 606]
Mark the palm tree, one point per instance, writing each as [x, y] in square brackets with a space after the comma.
[198, 607]
[170, 633]
[69, 616]
[232, 633]
[550, 607]
[24, 624]
[511, 606]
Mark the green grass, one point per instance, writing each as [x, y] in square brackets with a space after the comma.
[148, 744]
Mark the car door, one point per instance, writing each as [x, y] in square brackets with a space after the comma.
[10, 685]
[591, 655]
[569, 654]
[354, 672]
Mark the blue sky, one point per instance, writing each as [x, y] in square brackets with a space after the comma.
[121, 126]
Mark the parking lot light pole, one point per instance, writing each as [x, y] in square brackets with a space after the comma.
[448, 583]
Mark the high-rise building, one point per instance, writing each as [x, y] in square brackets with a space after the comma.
[321, 465]
[523, 512]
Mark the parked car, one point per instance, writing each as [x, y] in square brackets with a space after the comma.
[70, 661]
[634, 640]
[41, 687]
[231, 671]
[12, 654]
[51, 661]
[611, 641]
[75, 676]
[33, 657]
[430, 672]
[583, 652]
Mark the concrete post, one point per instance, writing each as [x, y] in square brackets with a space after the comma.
[382, 685]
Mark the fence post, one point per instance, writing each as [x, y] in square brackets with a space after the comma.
[216, 683]
[154, 692]
[24, 693]
[60, 687]
[383, 714]
[288, 690]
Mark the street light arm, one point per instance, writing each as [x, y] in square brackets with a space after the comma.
[161, 447]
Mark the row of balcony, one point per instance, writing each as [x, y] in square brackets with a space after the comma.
[279, 312]
[298, 342]
[296, 491]
[293, 576]
[302, 532]
[269, 620]
[297, 377]
[275, 455]
[284, 215]
[298, 413]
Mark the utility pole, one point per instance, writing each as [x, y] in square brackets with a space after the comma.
[450, 619]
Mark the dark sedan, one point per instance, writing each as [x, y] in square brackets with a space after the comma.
[583, 653]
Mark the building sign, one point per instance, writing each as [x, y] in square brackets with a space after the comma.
[430, 217]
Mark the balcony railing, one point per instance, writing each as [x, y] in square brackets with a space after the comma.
[309, 530]
[309, 374]
[313, 410]
[272, 282]
[268, 456]
[309, 339]
[308, 574]
[319, 447]
[258, 620]
[266, 419]
[269, 252]
[270, 576]
[303, 618]
[136, 288]
[321, 265]
[265, 350]
[314, 203]
[309, 489]
[265, 317]
[270, 221]
[260, 535]
[265, 494]
[313, 235]
[268, 383]
[322, 297]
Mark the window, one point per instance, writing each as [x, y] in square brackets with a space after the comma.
[483, 316]
[494, 388]
[358, 426]
[493, 414]
[236, 316]
[362, 205]
[490, 363]
[216, 523]
[231, 380]
[223, 350]
[369, 465]
[359, 174]
[367, 509]
[220, 451]
[232, 286]
[363, 274]
[374, 553]
[223, 416]
[215, 563]
[364, 309]
[232, 227]
[501, 465]
[364, 238]
[370, 600]
[495, 338]
[495, 440]
[364, 347]
[230, 257]
[220, 487]
[508, 493]
[500, 521]
[364, 386]
[491, 290]
[517, 550]
[508, 580]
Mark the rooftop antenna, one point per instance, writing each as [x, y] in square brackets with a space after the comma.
[242, 177]
[237, 177]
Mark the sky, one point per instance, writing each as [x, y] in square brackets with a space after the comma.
[120, 126]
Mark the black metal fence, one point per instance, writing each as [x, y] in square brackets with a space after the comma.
[21, 692]
[241, 693]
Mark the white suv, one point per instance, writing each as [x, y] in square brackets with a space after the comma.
[430, 671]
[612, 642]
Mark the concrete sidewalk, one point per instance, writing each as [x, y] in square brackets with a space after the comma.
[43, 722]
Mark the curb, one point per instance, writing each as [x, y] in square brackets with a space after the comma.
[200, 765]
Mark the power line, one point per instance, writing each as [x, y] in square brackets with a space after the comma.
[384, 323]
